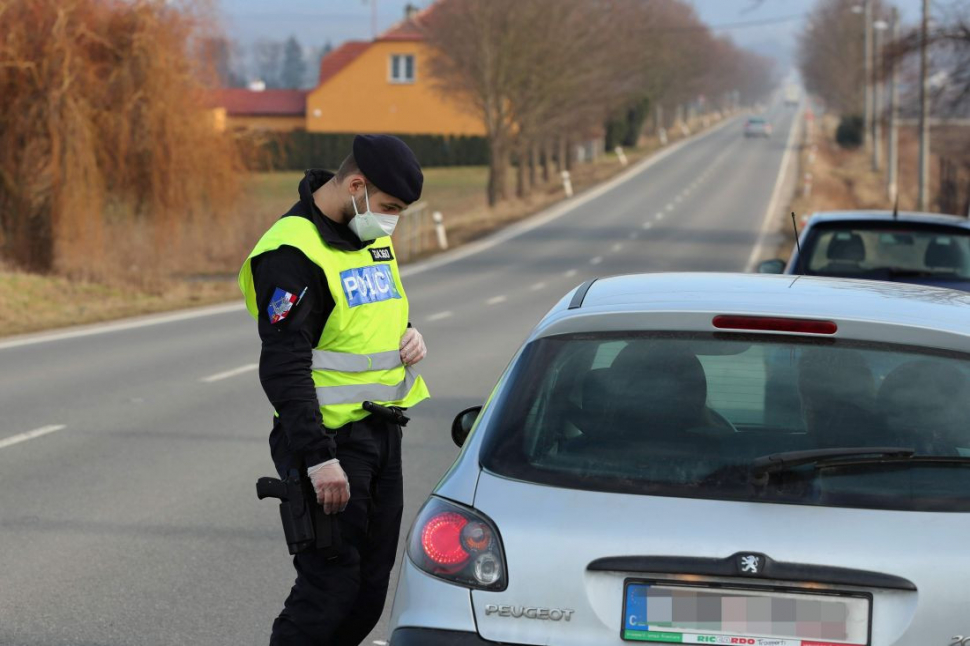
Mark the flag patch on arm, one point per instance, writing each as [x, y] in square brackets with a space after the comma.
[282, 303]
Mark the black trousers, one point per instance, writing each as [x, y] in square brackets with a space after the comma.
[337, 599]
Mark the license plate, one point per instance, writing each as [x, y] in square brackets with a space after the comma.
[690, 614]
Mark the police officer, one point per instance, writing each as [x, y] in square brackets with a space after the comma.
[324, 286]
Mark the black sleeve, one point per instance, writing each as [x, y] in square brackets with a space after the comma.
[287, 345]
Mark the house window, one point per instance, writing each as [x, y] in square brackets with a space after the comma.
[402, 68]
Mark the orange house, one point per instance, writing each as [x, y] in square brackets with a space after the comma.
[383, 86]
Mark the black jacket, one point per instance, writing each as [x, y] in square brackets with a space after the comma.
[287, 346]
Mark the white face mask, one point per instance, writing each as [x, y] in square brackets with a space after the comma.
[369, 225]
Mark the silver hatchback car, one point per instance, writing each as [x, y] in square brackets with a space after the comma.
[710, 459]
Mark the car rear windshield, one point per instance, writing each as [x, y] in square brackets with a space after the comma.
[888, 252]
[688, 415]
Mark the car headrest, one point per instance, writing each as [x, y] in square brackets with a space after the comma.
[829, 376]
[656, 390]
[943, 253]
[846, 246]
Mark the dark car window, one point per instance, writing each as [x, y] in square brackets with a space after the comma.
[685, 415]
[889, 252]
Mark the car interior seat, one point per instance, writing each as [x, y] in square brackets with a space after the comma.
[845, 252]
[924, 406]
[943, 253]
[837, 390]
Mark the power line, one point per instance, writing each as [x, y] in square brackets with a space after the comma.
[733, 25]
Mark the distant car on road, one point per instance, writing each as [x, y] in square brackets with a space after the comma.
[757, 127]
[920, 248]
[709, 459]
[791, 95]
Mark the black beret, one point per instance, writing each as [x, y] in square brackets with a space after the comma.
[390, 165]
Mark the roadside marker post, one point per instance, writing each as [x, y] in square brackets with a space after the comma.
[439, 229]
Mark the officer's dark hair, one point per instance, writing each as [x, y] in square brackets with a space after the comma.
[347, 167]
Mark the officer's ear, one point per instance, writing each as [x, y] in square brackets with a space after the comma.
[355, 184]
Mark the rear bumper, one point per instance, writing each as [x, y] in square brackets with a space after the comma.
[429, 637]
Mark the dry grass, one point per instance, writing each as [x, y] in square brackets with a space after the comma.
[120, 142]
[30, 303]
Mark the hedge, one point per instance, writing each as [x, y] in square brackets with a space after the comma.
[300, 150]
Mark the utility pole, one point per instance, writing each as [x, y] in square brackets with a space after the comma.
[877, 100]
[893, 154]
[867, 118]
[924, 108]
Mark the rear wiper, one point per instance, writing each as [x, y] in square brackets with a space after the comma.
[920, 460]
[761, 468]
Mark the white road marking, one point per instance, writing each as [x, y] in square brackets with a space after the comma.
[634, 235]
[678, 199]
[648, 225]
[130, 324]
[770, 213]
[29, 435]
[616, 247]
[570, 273]
[536, 287]
[380, 642]
[438, 316]
[495, 300]
[596, 260]
[230, 373]
[670, 207]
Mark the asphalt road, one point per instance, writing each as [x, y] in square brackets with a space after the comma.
[130, 518]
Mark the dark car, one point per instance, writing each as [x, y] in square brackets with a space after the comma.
[919, 248]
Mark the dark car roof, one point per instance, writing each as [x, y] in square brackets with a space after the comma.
[908, 217]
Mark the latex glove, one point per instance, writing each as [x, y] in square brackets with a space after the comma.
[331, 485]
[413, 348]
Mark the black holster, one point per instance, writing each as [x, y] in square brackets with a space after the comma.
[304, 523]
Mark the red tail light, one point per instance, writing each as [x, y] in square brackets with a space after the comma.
[774, 324]
[441, 539]
[457, 544]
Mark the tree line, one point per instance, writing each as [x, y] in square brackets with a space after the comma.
[543, 74]
[277, 64]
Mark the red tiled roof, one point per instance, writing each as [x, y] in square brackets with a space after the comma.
[267, 103]
[411, 28]
[340, 58]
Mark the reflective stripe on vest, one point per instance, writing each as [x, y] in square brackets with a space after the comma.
[357, 393]
[348, 362]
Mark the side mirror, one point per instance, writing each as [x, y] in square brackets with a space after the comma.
[775, 266]
[463, 423]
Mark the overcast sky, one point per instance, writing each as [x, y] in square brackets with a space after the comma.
[315, 22]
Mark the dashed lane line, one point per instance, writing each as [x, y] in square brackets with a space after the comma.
[596, 260]
[229, 373]
[439, 316]
[495, 300]
[29, 435]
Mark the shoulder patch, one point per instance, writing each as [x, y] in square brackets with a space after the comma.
[282, 303]
[381, 254]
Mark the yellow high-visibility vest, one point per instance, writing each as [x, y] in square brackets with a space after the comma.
[358, 357]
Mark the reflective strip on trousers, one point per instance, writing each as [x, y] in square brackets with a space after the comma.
[359, 393]
[348, 362]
